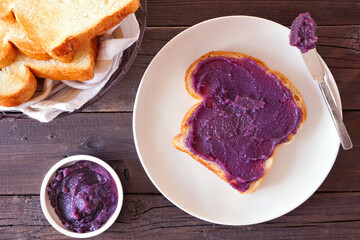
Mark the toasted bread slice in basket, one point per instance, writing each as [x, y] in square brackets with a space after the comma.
[61, 27]
[18, 83]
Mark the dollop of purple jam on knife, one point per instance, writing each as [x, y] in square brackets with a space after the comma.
[303, 33]
[246, 112]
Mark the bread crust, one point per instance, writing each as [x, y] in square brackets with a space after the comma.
[179, 140]
[30, 49]
[15, 98]
[7, 54]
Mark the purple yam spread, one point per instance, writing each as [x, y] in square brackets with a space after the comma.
[302, 33]
[245, 113]
[83, 195]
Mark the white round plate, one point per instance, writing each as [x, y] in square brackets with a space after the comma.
[162, 101]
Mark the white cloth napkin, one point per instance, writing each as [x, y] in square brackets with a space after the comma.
[67, 96]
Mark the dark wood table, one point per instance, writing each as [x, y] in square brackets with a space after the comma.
[28, 148]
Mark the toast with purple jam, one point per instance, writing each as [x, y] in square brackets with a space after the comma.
[246, 111]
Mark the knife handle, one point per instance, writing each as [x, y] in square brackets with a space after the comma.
[336, 117]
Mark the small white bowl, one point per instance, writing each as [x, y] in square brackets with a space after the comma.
[49, 211]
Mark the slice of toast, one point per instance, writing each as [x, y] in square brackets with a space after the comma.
[18, 83]
[180, 140]
[61, 27]
[81, 68]
[12, 37]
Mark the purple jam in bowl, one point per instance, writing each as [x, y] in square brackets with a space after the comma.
[84, 196]
[303, 33]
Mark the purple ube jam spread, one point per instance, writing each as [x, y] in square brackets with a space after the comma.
[245, 114]
[83, 195]
[302, 33]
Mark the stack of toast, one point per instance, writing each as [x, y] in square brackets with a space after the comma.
[56, 39]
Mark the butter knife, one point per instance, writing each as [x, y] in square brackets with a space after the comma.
[312, 61]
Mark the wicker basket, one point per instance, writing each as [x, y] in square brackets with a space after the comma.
[127, 59]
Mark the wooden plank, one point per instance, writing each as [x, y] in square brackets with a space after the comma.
[339, 47]
[324, 215]
[188, 12]
[28, 149]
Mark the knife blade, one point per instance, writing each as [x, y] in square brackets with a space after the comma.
[312, 61]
